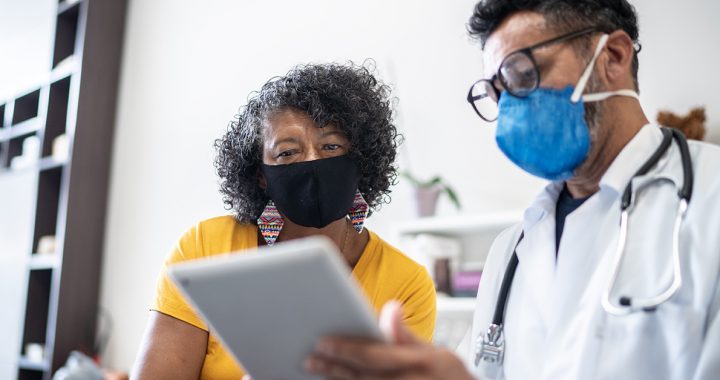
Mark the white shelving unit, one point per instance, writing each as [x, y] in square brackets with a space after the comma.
[475, 232]
[454, 321]
[456, 304]
[475, 235]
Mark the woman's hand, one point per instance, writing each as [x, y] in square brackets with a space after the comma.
[405, 357]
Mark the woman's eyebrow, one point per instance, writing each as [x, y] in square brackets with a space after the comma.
[290, 140]
[326, 133]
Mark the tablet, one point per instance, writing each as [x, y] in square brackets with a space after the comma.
[270, 307]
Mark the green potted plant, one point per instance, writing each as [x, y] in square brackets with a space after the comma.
[428, 192]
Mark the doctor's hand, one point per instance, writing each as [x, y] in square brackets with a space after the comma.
[405, 357]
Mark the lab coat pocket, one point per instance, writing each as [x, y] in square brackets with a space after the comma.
[662, 344]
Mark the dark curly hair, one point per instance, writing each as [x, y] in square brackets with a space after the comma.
[563, 16]
[348, 96]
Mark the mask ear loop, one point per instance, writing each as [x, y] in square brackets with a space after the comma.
[588, 70]
[604, 95]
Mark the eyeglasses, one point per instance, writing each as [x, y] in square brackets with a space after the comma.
[518, 74]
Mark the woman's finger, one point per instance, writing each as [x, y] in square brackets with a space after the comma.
[374, 356]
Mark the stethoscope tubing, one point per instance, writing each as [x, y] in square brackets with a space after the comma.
[626, 304]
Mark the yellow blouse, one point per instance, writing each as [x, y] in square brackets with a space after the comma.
[383, 272]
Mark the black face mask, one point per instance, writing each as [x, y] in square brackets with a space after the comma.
[313, 193]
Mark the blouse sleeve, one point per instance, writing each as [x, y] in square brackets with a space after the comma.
[168, 299]
[419, 305]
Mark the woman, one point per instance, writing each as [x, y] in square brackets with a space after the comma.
[312, 153]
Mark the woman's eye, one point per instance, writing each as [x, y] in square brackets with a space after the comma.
[332, 146]
[286, 153]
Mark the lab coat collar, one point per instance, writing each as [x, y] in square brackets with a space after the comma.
[616, 178]
[544, 204]
[631, 158]
[669, 167]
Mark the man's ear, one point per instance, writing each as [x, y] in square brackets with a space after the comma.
[618, 66]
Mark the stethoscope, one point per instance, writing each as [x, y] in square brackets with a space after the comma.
[490, 348]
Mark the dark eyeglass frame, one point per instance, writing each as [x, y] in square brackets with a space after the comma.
[527, 51]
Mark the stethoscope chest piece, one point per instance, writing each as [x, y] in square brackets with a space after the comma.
[490, 351]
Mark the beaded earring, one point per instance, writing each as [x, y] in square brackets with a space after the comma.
[358, 212]
[270, 223]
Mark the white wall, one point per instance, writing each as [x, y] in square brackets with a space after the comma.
[188, 66]
[26, 30]
[680, 58]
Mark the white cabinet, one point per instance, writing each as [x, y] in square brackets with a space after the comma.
[471, 237]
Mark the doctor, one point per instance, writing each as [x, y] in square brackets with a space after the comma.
[616, 262]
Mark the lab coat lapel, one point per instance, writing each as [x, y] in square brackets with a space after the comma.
[567, 291]
[576, 261]
[536, 253]
[590, 232]
[580, 274]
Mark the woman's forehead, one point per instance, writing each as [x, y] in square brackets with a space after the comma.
[288, 116]
[291, 120]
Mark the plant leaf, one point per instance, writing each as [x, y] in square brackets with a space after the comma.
[414, 181]
[434, 181]
[453, 197]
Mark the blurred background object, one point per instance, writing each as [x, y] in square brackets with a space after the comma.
[428, 192]
[692, 124]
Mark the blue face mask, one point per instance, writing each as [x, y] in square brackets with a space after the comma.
[545, 133]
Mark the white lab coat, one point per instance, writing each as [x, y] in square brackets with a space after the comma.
[555, 326]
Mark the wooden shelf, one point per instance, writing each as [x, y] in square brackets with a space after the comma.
[49, 163]
[77, 98]
[456, 304]
[26, 107]
[459, 225]
[23, 128]
[27, 364]
[57, 113]
[7, 97]
[41, 261]
[44, 164]
[10, 171]
[64, 70]
[66, 30]
[67, 5]
[37, 309]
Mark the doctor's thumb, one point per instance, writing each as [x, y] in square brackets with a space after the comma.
[392, 325]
